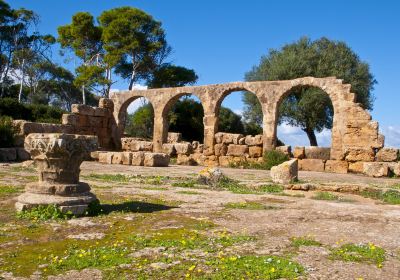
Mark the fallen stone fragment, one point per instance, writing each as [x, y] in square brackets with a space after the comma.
[285, 173]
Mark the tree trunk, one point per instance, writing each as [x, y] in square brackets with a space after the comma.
[311, 136]
[132, 79]
[21, 82]
[83, 95]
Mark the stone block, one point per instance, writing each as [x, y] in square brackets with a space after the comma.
[220, 149]
[336, 166]
[183, 148]
[117, 158]
[71, 119]
[376, 169]
[359, 154]
[286, 172]
[185, 160]
[106, 157]
[134, 145]
[253, 140]
[237, 150]
[396, 169]
[255, 151]
[95, 122]
[387, 154]
[174, 137]
[299, 152]
[137, 158]
[356, 167]
[106, 103]
[312, 165]
[231, 138]
[126, 158]
[169, 149]
[82, 109]
[22, 154]
[100, 112]
[225, 160]
[8, 154]
[218, 137]
[287, 150]
[156, 159]
[318, 153]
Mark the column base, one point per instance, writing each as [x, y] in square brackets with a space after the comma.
[76, 204]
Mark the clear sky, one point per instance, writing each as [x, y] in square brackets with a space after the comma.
[222, 39]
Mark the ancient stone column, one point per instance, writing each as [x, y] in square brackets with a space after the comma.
[58, 158]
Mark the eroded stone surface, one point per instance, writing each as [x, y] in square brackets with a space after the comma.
[285, 173]
[58, 158]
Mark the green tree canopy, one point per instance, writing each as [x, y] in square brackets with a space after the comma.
[168, 75]
[135, 40]
[310, 108]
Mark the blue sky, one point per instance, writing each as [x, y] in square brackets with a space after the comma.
[223, 39]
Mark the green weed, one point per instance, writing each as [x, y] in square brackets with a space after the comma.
[249, 205]
[304, 241]
[8, 190]
[330, 197]
[43, 213]
[389, 196]
[254, 267]
[366, 253]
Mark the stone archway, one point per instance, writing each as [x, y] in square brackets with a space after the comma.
[352, 126]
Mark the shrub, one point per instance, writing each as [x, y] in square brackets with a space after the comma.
[273, 158]
[30, 112]
[7, 132]
[44, 212]
[12, 108]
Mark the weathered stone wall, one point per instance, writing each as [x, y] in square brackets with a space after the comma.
[355, 136]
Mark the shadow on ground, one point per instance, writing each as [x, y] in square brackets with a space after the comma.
[134, 207]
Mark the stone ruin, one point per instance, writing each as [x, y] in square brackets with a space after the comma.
[58, 158]
[357, 146]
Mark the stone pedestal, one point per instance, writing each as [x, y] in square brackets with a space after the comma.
[58, 158]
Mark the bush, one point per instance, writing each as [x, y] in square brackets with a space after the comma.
[12, 108]
[7, 132]
[30, 112]
[273, 158]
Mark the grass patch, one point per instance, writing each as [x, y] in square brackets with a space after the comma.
[155, 188]
[389, 196]
[330, 197]
[191, 184]
[255, 267]
[185, 239]
[23, 169]
[43, 213]
[248, 205]
[9, 190]
[107, 256]
[365, 253]
[188, 192]
[304, 241]
[123, 178]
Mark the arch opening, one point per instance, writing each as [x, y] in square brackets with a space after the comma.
[305, 117]
[139, 120]
[184, 115]
[240, 111]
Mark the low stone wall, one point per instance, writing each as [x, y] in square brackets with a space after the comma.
[83, 120]
[133, 158]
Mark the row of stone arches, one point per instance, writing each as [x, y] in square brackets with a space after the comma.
[269, 94]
